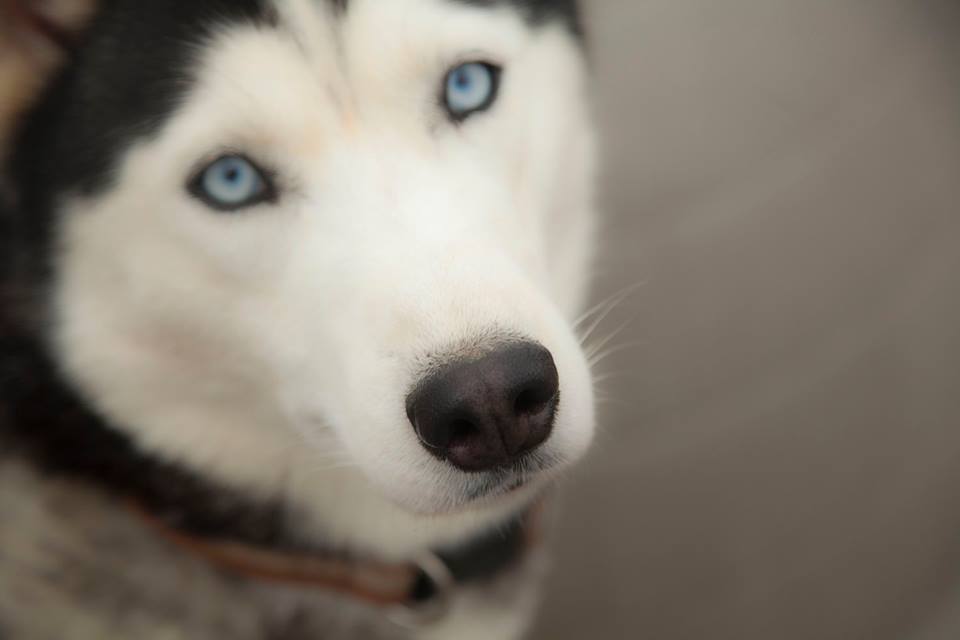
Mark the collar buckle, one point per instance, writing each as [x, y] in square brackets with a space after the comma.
[432, 598]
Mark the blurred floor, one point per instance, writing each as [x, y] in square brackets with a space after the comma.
[780, 456]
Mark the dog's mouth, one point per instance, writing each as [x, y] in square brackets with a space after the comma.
[521, 474]
[493, 489]
[493, 492]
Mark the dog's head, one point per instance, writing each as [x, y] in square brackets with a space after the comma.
[314, 248]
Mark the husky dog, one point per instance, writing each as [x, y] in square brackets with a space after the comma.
[287, 343]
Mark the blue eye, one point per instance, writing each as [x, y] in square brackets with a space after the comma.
[470, 88]
[231, 182]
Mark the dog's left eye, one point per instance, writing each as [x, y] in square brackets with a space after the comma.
[230, 183]
[470, 88]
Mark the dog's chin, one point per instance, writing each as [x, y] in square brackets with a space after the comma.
[490, 500]
[490, 492]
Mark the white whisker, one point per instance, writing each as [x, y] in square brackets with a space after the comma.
[600, 356]
[601, 311]
[591, 350]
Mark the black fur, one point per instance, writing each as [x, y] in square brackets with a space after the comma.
[541, 11]
[537, 11]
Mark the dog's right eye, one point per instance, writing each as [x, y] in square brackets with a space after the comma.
[470, 88]
[232, 182]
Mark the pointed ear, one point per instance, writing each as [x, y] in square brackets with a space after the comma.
[35, 37]
[55, 22]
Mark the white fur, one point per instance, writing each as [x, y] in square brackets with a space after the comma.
[272, 349]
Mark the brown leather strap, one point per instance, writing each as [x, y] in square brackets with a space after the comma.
[377, 583]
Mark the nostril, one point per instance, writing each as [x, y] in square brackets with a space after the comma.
[465, 437]
[532, 400]
[461, 431]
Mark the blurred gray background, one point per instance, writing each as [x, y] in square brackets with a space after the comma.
[780, 452]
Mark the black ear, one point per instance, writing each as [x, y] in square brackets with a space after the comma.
[35, 36]
[56, 23]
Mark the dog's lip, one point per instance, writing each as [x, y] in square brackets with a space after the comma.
[506, 488]
[514, 480]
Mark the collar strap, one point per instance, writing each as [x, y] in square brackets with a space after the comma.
[419, 589]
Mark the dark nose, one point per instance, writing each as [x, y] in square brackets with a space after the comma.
[483, 413]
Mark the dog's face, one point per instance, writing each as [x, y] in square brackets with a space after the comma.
[327, 254]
